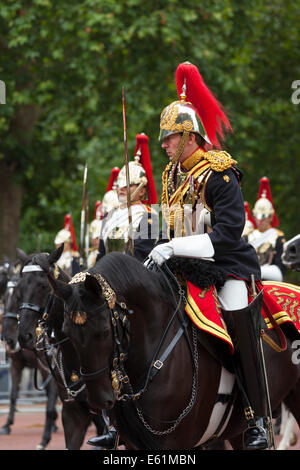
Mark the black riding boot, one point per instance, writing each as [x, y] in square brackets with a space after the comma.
[245, 328]
[108, 441]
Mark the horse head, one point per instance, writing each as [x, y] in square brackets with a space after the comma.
[291, 253]
[88, 324]
[34, 292]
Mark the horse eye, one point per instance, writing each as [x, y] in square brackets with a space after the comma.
[101, 335]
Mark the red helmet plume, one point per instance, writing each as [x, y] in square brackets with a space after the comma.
[113, 178]
[142, 146]
[68, 225]
[208, 109]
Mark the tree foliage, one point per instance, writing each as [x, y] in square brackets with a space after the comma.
[65, 63]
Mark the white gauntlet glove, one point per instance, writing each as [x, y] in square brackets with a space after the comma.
[194, 246]
[271, 272]
[161, 253]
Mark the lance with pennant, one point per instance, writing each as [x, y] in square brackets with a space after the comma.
[130, 232]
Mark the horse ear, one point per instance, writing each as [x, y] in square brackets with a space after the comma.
[92, 285]
[21, 255]
[55, 255]
[59, 288]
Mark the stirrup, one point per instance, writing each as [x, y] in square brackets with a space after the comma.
[257, 436]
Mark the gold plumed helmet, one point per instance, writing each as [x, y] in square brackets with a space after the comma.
[110, 200]
[137, 174]
[95, 228]
[197, 112]
[264, 206]
[140, 171]
[62, 236]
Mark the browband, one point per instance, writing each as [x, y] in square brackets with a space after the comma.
[31, 267]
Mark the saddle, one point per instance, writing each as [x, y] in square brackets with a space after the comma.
[202, 279]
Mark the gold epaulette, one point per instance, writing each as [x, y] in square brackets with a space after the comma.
[219, 160]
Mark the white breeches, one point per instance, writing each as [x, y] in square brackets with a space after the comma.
[233, 295]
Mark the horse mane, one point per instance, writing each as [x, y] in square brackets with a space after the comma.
[125, 272]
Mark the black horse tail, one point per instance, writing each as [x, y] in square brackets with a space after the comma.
[129, 424]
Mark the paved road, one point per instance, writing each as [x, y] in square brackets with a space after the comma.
[28, 427]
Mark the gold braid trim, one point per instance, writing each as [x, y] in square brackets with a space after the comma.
[196, 164]
[220, 160]
[108, 293]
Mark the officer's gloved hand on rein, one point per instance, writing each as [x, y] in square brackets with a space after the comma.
[161, 253]
[194, 246]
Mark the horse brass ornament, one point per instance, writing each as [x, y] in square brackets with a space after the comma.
[79, 318]
[38, 331]
[115, 382]
[74, 377]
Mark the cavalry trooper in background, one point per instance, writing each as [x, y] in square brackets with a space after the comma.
[266, 238]
[249, 224]
[110, 200]
[115, 233]
[115, 225]
[95, 229]
[69, 260]
[203, 208]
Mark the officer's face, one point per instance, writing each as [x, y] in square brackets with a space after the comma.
[122, 194]
[170, 144]
[263, 224]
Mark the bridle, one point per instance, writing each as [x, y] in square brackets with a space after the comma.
[120, 325]
[118, 311]
[11, 285]
[51, 350]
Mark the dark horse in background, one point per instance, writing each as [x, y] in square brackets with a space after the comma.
[21, 359]
[43, 310]
[143, 361]
[291, 253]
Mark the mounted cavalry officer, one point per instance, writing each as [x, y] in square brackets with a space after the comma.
[95, 229]
[115, 233]
[204, 212]
[110, 199]
[266, 238]
[69, 260]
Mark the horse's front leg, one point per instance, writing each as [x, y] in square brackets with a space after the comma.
[75, 419]
[51, 415]
[16, 374]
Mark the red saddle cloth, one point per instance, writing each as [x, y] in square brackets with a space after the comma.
[281, 299]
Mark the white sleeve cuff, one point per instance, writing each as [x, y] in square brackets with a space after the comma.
[271, 272]
[194, 246]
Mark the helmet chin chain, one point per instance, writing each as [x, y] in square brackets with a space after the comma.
[181, 146]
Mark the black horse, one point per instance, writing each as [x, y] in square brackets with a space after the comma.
[142, 360]
[21, 359]
[291, 253]
[41, 319]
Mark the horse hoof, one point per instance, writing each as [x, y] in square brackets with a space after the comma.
[4, 431]
[40, 447]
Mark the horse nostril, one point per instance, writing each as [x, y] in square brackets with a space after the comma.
[26, 339]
